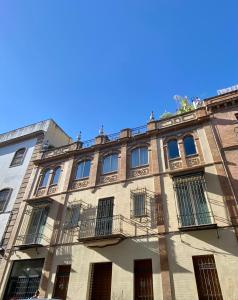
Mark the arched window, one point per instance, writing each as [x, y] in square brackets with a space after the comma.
[56, 175]
[173, 149]
[4, 197]
[83, 169]
[45, 178]
[139, 157]
[189, 145]
[18, 157]
[110, 163]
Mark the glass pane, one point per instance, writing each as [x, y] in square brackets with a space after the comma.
[135, 158]
[4, 194]
[189, 145]
[106, 164]
[173, 149]
[139, 205]
[56, 175]
[114, 162]
[79, 172]
[143, 156]
[45, 178]
[86, 171]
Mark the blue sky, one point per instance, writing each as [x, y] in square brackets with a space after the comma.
[84, 63]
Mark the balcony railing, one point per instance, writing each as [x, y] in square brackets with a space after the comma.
[116, 226]
[30, 240]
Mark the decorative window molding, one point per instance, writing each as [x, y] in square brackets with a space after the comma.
[18, 157]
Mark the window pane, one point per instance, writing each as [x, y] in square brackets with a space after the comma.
[4, 195]
[189, 145]
[72, 216]
[56, 175]
[143, 156]
[106, 164]
[173, 149]
[114, 162]
[45, 178]
[135, 158]
[18, 157]
[86, 171]
[79, 172]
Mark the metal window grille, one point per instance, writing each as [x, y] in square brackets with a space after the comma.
[192, 204]
[139, 205]
[72, 216]
[207, 280]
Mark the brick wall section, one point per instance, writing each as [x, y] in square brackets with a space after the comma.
[228, 197]
[163, 251]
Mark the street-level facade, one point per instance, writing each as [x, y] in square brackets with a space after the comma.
[147, 213]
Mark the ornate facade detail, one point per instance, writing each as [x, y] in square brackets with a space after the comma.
[78, 184]
[53, 189]
[41, 192]
[61, 150]
[174, 165]
[193, 161]
[108, 178]
[140, 172]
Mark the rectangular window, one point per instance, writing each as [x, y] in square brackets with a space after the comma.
[72, 216]
[36, 225]
[143, 281]
[139, 205]
[191, 200]
[207, 280]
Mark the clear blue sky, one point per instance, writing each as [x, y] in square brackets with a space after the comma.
[84, 63]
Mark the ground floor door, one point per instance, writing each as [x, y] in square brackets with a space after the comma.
[24, 279]
[101, 281]
[61, 282]
[143, 282]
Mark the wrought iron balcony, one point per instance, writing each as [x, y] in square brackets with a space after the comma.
[111, 230]
[30, 241]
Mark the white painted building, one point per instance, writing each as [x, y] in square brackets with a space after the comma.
[16, 150]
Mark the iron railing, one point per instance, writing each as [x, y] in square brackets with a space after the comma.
[138, 130]
[110, 226]
[31, 239]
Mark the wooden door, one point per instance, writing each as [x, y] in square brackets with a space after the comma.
[101, 281]
[143, 282]
[207, 280]
[61, 282]
[104, 217]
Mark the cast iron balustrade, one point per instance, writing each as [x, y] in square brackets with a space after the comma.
[30, 241]
[111, 229]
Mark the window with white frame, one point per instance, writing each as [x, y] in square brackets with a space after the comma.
[18, 157]
[4, 197]
[192, 202]
[139, 157]
[189, 145]
[173, 150]
[83, 169]
[44, 178]
[110, 163]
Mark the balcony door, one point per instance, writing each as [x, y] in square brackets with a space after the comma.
[104, 217]
[36, 225]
